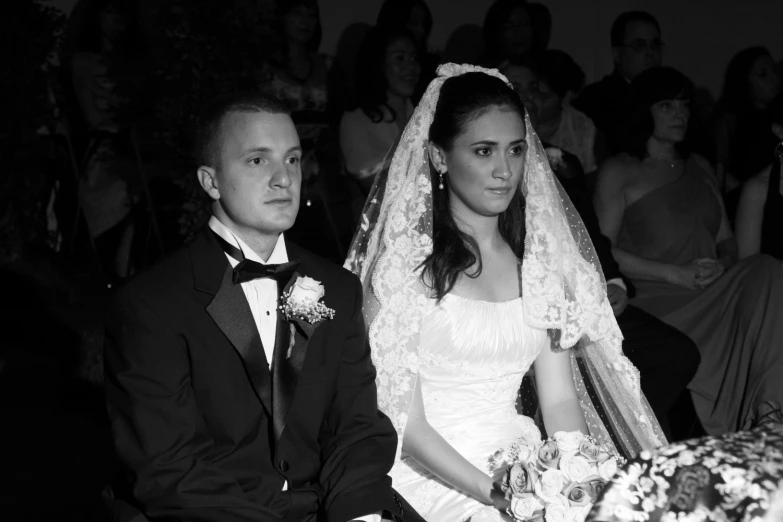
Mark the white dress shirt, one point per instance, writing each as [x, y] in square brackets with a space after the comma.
[261, 293]
[262, 296]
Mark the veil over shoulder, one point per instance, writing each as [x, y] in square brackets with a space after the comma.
[563, 289]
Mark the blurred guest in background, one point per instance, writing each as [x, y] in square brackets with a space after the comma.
[524, 81]
[560, 79]
[749, 86]
[298, 74]
[415, 16]
[660, 206]
[666, 358]
[105, 74]
[636, 46]
[387, 75]
[508, 32]
[760, 212]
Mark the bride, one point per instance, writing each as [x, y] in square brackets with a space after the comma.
[475, 268]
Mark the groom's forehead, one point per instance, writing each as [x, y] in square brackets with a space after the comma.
[254, 129]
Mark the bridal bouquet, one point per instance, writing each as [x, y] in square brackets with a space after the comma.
[556, 480]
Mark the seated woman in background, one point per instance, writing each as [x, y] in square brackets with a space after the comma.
[105, 72]
[749, 86]
[415, 16]
[661, 208]
[298, 74]
[760, 212]
[559, 81]
[387, 75]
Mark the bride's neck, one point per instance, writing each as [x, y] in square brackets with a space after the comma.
[483, 229]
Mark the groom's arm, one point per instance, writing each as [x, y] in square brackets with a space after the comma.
[159, 434]
[362, 442]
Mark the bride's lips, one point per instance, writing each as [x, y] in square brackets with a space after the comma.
[500, 191]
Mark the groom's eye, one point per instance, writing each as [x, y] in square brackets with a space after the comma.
[294, 160]
[255, 161]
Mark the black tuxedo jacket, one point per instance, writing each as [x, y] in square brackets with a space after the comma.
[207, 432]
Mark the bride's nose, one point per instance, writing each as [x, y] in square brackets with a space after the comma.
[502, 169]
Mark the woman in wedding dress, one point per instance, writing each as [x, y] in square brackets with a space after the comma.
[475, 269]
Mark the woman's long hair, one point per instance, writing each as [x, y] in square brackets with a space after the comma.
[735, 96]
[497, 15]
[462, 100]
[395, 13]
[371, 83]
[280, 56]
[650, 87]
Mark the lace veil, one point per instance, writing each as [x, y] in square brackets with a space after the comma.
[563, 289]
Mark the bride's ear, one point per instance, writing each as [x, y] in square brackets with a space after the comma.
[437, 157]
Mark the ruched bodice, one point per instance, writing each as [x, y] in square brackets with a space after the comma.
[472, 357]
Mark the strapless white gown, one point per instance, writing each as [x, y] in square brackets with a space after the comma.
[472, 358]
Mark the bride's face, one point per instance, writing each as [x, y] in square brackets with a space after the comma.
[485, 163]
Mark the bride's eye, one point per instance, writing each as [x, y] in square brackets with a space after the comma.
[517, 150]
[483, 151]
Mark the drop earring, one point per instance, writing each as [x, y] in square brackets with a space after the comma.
[440, 177]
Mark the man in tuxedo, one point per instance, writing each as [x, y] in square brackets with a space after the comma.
[223, 406]
[666, 358]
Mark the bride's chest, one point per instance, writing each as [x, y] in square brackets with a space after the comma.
[471, 336]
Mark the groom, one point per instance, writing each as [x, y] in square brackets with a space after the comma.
[223, 407]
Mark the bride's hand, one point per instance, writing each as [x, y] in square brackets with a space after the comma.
[499, 500]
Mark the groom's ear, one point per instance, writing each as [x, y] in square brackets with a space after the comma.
[207, 178]
[437, 157]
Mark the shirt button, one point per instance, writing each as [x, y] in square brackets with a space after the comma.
[267, 312]
[283, 466]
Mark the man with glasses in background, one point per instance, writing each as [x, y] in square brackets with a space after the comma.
[636, 47]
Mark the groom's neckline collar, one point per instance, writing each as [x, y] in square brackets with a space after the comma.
[209, 262]
[278, 255]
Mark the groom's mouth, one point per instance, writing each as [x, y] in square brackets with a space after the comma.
[279, 202]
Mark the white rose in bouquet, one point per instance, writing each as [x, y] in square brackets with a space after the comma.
[575, 467]
[525, 506]
[607, 469]
[569, 441]
[550, 485]
[558, 513]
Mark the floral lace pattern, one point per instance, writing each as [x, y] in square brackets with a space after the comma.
[737, 477]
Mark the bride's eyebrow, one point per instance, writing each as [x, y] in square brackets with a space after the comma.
[495, 143]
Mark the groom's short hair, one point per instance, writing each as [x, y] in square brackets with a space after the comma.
[206, 147]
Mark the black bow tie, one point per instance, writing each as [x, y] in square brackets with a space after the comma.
[247, 270]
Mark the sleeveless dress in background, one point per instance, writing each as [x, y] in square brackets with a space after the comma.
[772, 226]
[472, 358]
[737, 322]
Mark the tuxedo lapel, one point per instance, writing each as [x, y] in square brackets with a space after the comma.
[229, 309]
[290, 350]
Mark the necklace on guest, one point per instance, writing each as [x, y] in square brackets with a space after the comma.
[671, 163]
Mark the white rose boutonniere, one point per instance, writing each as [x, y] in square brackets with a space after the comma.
[302, 303]
[306, 290]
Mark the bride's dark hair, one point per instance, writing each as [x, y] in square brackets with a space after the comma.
[463, 99]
